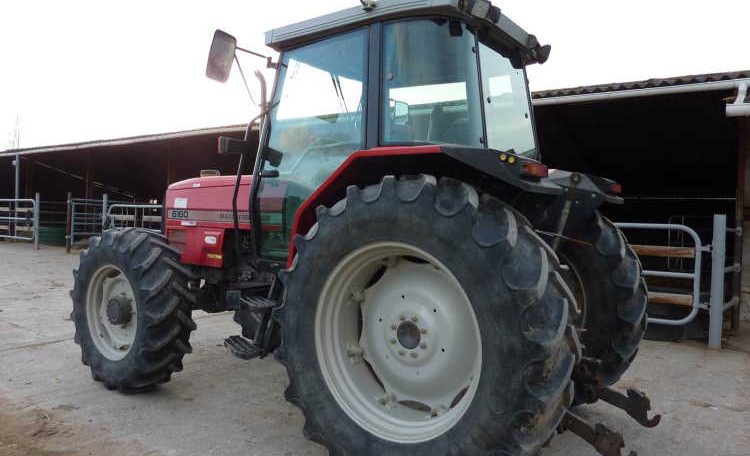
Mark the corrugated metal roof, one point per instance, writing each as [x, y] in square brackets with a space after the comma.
[124, 141]
[654, 83]
[611, 88]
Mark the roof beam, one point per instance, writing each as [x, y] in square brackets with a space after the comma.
[647, 92]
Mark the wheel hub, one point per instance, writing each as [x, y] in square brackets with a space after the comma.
[408, 335]
[398, 342]
[111, 312]
[120, 310]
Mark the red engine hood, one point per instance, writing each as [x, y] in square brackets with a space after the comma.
[212, 181]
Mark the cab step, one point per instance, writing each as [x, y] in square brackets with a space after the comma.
[242, 348]
[258, 303]
[252, 303]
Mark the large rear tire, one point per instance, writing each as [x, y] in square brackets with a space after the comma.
[605, 276]
[421, 319]
[131, 309]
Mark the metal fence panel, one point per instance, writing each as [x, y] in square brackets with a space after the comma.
[146, 216]
[89, 217]
[19, 219]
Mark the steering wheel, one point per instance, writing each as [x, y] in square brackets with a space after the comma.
[312, 176]
[319, 147]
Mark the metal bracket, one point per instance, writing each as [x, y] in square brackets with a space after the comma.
[570, 194]
[369, 5]
[636, 404]
[606, 441]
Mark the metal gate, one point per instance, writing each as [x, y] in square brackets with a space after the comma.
[85, 219]
[716, 304]
[19, 219]
[89, 217]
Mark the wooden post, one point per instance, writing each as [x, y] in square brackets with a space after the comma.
[170, 171]
[68, 222]
[86, 192]
[743, 152]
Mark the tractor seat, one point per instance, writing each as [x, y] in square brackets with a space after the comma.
[450, 128]
[458, 132]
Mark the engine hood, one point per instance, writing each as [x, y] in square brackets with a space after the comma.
[208, 182]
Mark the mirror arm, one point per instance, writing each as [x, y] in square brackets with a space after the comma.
[248, 51]
[269, 60]
[244, 80]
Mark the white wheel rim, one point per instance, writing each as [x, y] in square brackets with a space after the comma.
[402, 357]
[113, 341]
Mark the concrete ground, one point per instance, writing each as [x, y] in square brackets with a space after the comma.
[219, 405]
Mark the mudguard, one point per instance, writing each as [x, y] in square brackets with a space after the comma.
[474, 165]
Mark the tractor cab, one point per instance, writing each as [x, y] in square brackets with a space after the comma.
[392, 73]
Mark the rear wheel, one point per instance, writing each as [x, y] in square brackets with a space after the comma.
[421, 319]
[606, 277]
[131, 309]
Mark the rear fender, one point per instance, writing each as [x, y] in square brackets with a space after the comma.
[481, 167]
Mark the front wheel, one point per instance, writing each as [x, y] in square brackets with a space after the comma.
[421, 319]
[131, 309]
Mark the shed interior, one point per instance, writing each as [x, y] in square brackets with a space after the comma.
[680, 160]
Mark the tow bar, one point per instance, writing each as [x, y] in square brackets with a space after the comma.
[606, 441]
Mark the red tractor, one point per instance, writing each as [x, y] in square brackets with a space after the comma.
[394, 241]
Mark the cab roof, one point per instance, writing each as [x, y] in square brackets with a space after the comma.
[497, 29]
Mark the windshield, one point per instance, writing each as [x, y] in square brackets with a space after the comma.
[316, 125]
[431, 88]
[320, 98]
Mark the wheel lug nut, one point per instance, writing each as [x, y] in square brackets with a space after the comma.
[355, 351]
[401, 352]
[393, 341]
[402, 318]
[423, 346]
[423, 330]
[413, 354]
[415, 319]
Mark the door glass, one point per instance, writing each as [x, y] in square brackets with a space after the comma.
[316, 125]
[430, 84]
[506, 104]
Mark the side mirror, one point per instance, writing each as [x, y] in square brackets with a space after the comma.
[221, 56]
[400, 112]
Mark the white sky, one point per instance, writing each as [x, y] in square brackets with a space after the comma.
[84, 70]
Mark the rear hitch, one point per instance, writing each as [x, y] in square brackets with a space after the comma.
[606, 441]
[636, 404]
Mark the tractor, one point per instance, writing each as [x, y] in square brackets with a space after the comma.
[394, 240]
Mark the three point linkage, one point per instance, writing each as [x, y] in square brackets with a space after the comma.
[606, 441]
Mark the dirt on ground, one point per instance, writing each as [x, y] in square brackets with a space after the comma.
[33, 431]
[223, 406]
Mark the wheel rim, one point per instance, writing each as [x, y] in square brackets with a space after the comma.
[398, 342]
[111, 312]
[574, 280]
